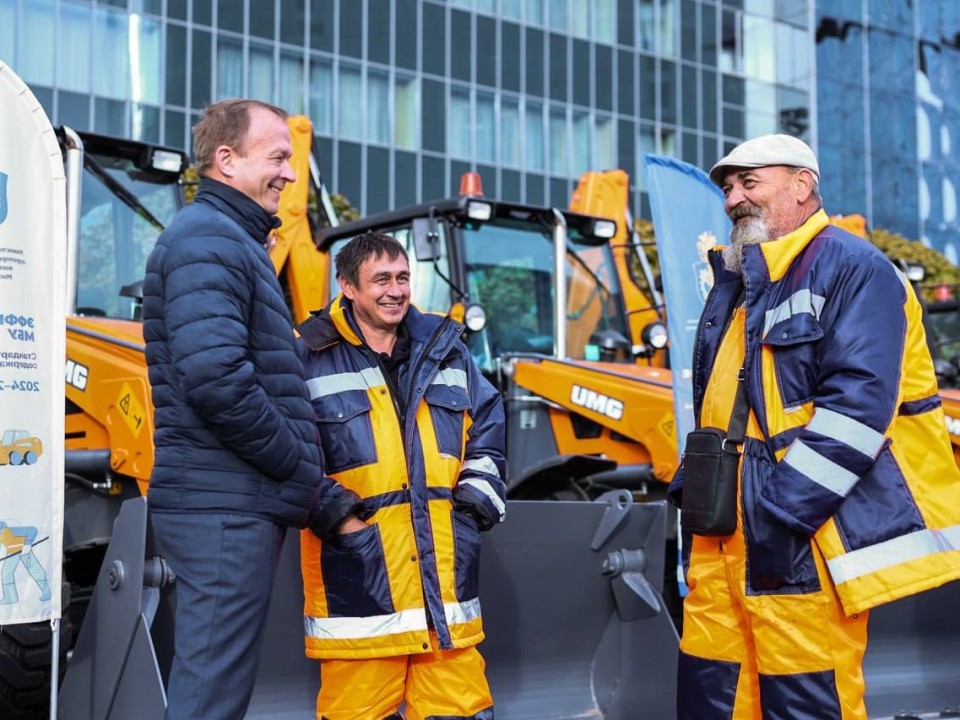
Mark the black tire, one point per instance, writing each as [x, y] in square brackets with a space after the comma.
[25, 665]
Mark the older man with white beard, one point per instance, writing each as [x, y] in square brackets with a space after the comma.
[820, 482]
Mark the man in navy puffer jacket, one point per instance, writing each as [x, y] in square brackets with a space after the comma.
[237, 453]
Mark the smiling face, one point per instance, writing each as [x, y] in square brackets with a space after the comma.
[775, 195]
[260, 168]
[381, 295]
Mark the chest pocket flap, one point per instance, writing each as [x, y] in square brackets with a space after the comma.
[346, 430]
[794, 343]
[447, 404]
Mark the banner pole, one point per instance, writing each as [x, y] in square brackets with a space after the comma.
[54, 666]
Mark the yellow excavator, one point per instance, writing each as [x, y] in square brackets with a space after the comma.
[576, 623]
[592, 568]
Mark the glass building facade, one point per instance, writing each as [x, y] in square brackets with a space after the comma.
[405, 95]
[888, 105]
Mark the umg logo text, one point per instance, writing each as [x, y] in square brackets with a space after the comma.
[592, 400]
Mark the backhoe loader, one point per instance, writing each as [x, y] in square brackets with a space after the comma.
[558, 305]
[572, 604]
[576, 625]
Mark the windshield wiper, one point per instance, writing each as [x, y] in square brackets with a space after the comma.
[127, 197]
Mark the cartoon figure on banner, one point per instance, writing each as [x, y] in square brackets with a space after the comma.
[701, 269]
[17, 543]
[19, 447]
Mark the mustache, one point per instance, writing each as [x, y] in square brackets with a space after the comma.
[744, 210]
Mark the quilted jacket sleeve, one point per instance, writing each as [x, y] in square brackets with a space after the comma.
[480, 487]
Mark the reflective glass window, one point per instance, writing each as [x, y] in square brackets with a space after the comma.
[533, 137]
[581, 142]
[793, 56]
[485, 129]
[229, 15]
[458, 140]
[510, 9]
[292, 22]
[604, 21]
[378, 31]
[646, 19]
[669, 9]
[559, 155]
[405, 112]
[558, 14]
[261, 73]
[349, 103]
[8, 28]
[73, 51]
[261, 18]
[36, 58]
[509, 132]
[377, 113]
[146, 58]
[759, 58]
[229, 68]
[290, 91]
[201, 77]
[175, 82]
[321, 96]
[111, 59]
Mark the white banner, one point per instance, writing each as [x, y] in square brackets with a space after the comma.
[32, 347]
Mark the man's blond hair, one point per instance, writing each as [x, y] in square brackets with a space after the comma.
[225, 123]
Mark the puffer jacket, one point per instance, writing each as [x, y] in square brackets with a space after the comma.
[426, 459]
[234, 427]
[850, 446]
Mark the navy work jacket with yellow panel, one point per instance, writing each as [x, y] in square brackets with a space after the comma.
[852, 448]
[425, 456]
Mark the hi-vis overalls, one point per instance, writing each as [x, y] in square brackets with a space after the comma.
[849, 493]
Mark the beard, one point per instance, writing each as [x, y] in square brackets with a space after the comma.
[751, 231]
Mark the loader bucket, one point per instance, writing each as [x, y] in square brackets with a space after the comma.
[563, 640]
[912, 665]
[571, 600]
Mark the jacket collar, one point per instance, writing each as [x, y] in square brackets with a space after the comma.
[336, 322]
[779, 254]
[251, 217]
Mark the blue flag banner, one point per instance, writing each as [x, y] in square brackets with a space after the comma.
[688, 219]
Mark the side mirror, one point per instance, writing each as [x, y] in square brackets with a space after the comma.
[426, 239]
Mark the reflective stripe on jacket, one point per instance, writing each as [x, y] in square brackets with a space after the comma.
[854, 449]
[378, 592]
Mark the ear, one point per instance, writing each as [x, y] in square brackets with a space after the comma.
[348, 290]
[803, 185]
[223, 160]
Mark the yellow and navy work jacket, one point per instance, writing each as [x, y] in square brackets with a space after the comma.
[425, 456]
[849, 444]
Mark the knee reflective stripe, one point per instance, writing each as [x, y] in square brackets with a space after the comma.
[706, 688]
[804, 696]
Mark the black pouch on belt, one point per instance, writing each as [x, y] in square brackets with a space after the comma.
[710, 466]
[711, 463]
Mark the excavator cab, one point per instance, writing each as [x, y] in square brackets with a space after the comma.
[509, 259]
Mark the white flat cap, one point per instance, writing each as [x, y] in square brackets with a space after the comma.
[767, 150]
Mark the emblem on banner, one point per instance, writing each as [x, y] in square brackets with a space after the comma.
[702, 271]
[3, 197]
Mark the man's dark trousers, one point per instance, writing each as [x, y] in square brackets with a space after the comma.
[225, 565]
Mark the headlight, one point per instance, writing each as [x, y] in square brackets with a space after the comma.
[475, 318]
[481, 211]
[166, 161]
[604, 229]
[655, 335]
